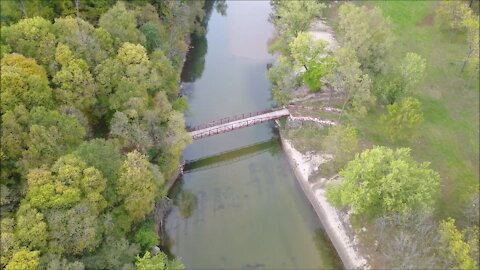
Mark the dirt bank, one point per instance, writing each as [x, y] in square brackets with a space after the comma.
[330, 218]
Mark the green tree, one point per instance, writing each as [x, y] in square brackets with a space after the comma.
[32, 38]
[152, 34]
[67, 183]
[8, 244]
[157, 262]
[283, 79]
[292, 17]
[382, 180]
[412, 71]
[86, 42]
[75, 85]
[51, 135]
[122, 26]
[74, 231]
[124, 77]
[23, 82]
[305, 50]
[114, 253]
[146, 236]
[136, 186]
[31, 229]
[402, 119]
[455, 247]
[368, 33]
[105, 156]
[342, 143]
[472, 55]
[347, 77]
[452, 13]
[24, 260]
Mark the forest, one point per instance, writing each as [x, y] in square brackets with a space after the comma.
[91, 127]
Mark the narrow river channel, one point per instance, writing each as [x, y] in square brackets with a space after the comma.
[250, 212]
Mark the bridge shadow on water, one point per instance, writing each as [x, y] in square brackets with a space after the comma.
[232, 156]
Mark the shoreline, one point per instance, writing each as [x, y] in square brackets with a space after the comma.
[326, 213]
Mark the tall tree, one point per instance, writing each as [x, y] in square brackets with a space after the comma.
[342, 143]
[368, 33]
[23, 83]
[121, 25]
[24, 259]
[75, 84]
[402, 119]
[34, 38]
[136, 186]
[348, 78]
[85, 41]
[382, 180]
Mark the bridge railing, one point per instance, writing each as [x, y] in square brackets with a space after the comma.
[231, 127]
[229, 119]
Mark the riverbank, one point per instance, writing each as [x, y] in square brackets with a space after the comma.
[333, 221]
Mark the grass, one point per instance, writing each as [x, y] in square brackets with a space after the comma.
[449, 136]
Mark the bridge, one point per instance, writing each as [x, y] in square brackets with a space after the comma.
[228, 124]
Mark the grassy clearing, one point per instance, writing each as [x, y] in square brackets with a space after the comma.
[449, 137]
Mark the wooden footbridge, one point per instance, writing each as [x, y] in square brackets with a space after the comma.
[235, 122]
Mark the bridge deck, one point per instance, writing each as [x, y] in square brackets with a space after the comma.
[237, 124]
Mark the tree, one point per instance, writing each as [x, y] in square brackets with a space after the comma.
[305, 50]
[402, 119]
[342, 143]
[347, 77]
[32, 37]
[408, 241]
[23, 83]
[75, 230]
[412, 71]
[157, 262]
[472, 55]
[85, 41]
[125, 77]
[151, 31]
[105, 156]
[382, 180]
[7, 240]
[51, 135]
[368, 33]
[146, 236]
[452, 13]
[136, 186]
[456, 249]
[121, 25]
[24, 260]
[114, 253]
[283, 78]
[292, 17]
[67, 183]
[31, 229]
[75, 85]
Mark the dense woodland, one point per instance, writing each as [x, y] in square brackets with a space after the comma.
[91, 126]
[412, 190]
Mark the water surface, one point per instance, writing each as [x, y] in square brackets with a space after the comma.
[249, 211]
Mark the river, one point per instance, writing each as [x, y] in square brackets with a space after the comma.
[248, 211]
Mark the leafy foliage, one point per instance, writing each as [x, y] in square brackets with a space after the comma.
[402, 119]
[382, 180]
[342, 143]
[456, 248]
[23, 82]
[157, 262]
[368, 33]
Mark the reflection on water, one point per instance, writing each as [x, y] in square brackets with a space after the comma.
[238, 206]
